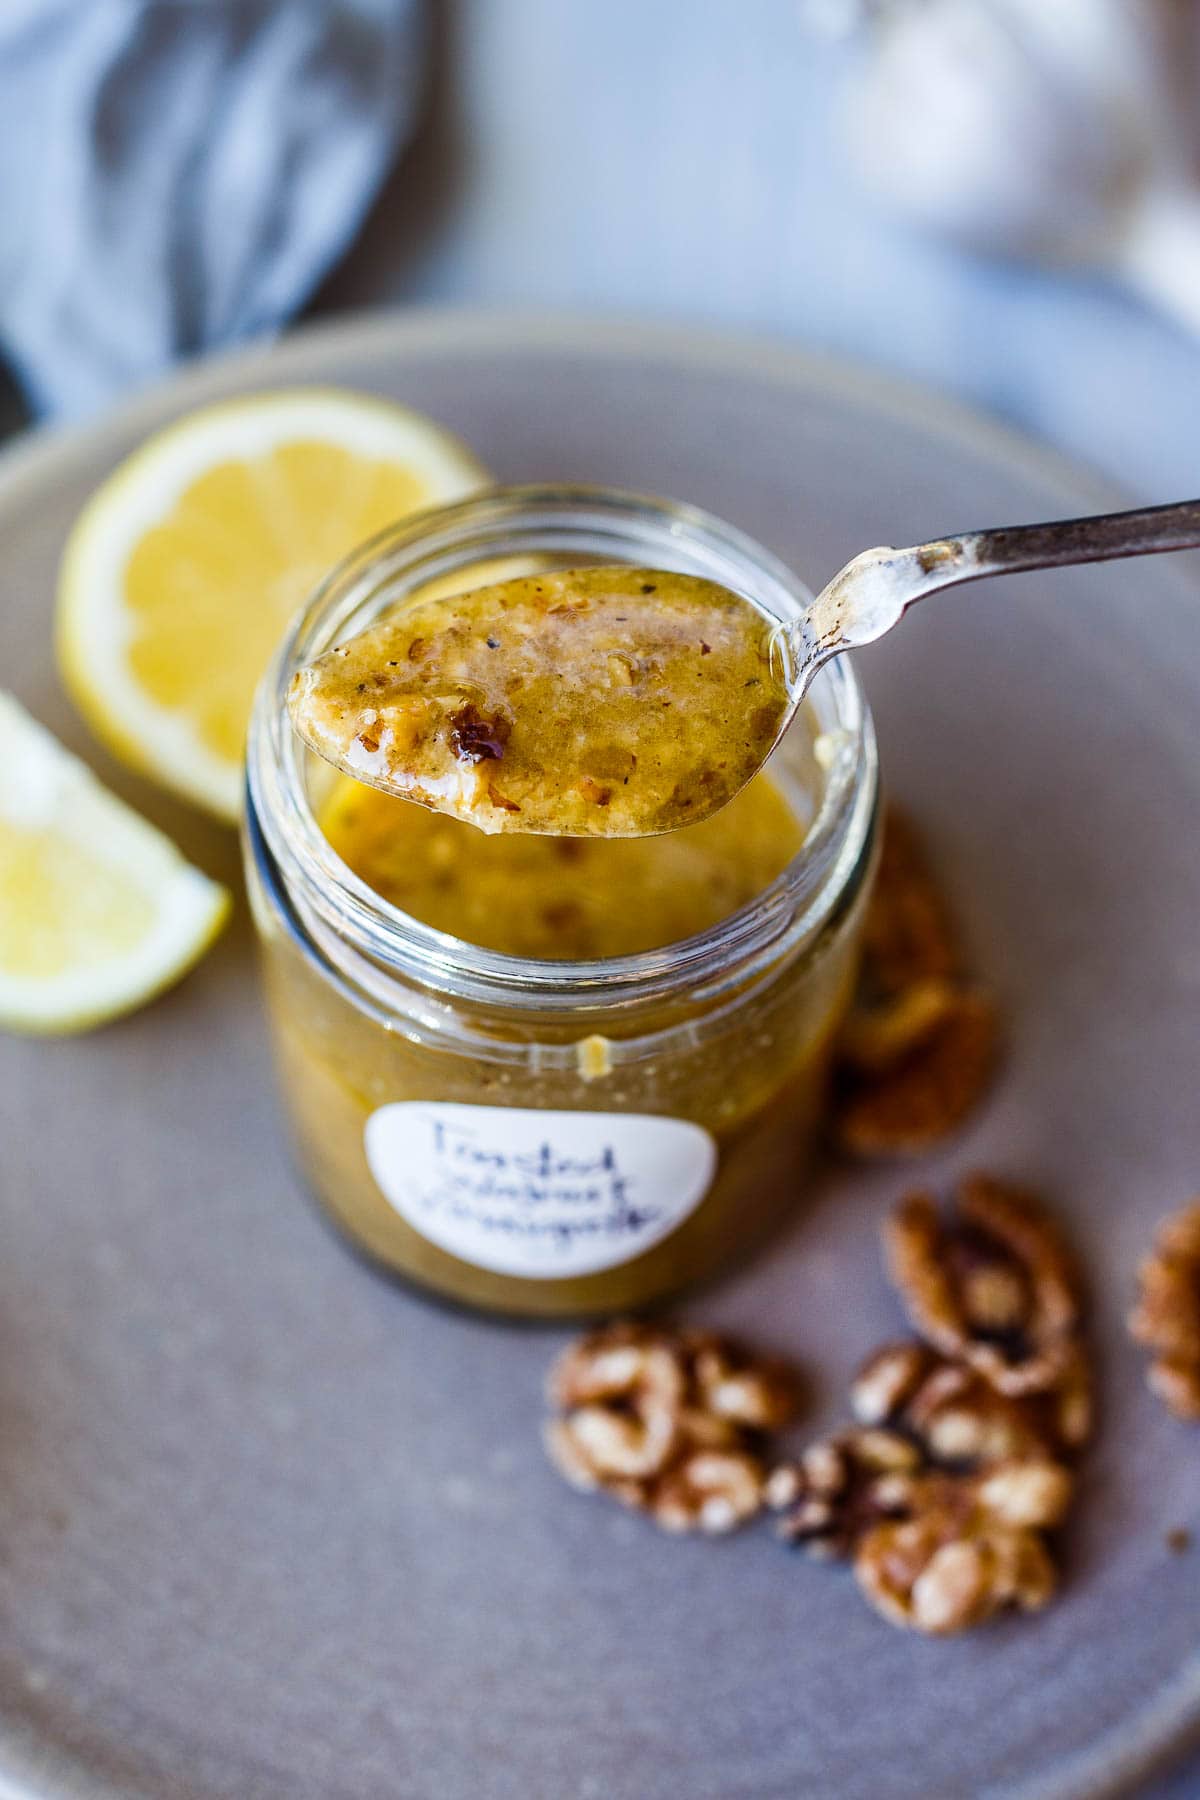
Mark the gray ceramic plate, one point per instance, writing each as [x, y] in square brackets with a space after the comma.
[272, 1528]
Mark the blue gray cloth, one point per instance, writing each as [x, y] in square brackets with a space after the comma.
[176, 174]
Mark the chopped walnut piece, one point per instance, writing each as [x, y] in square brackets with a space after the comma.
[992, 1284]
[918, 1048]
[594, 791]
[1167, 1316]
[671, 1422]
[969, 1546]
[475, 738]
[593, 1055]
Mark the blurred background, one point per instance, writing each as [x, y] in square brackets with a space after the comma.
[996, 196]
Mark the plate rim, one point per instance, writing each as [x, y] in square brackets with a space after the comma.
[44, 453]
[295, 353]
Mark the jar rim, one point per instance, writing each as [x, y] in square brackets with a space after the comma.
[349, 920]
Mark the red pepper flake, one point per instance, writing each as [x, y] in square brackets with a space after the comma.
[475, 739]
[369, 744]
[592, 790]
[705, 649]
[416, 649]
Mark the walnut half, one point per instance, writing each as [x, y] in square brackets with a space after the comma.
[671, 1422]
[942, 1494]
[1167, 1316]
[918, 1048]
[990, 1283]
[935, 1549]
[970, 1547]
[960, 1419]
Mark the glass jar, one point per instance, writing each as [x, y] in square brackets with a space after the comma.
[555, 1138]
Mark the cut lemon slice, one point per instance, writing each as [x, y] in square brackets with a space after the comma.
[185, 567]
[98, 911]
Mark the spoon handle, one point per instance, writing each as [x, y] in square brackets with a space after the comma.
[872, 593]
[1143, 532]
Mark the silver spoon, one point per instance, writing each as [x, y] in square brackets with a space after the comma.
[503, 707]
[874, 591]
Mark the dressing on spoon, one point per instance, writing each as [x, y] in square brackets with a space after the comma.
[598, 702]
[625, 702]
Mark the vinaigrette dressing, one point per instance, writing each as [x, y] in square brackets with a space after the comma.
[562, 1076]
[603, 702]
[563, 898]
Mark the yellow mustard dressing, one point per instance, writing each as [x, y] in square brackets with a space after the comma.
[604, 763]
[752, 1076]
[577, 898]
[598, 702]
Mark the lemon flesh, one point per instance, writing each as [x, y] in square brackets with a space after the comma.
[98, 910]
[187, 564]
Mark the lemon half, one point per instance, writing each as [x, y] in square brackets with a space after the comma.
[187, 564]
[98, 910]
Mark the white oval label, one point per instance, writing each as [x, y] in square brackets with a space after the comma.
[540, 1194]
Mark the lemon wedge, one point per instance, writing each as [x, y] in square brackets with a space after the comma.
[98, 911]
[186, 565]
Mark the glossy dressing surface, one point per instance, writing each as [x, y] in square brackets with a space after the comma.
[578, 898]
[599, 702]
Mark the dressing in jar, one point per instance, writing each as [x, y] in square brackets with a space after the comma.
[556, 1076]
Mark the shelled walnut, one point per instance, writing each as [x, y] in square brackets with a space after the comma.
[670, 1422]
[958, 1417]
[918, 1048]
[1167, 1316]
[990, 1282]
[936, 1549]
[909, 933]
[941, 1495]
[842, 1486]
[969, 1546]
